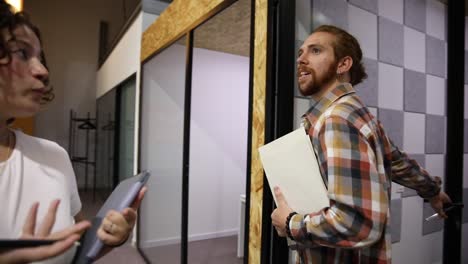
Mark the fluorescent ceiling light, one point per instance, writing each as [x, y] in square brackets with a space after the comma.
[17, 4]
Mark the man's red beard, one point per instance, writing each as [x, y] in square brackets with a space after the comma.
[315, 85]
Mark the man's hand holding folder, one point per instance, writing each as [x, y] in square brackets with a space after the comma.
[281, 213]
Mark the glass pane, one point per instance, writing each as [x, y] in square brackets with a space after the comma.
[162, 127]
[218, 136]
[105, 144]
[127, 129]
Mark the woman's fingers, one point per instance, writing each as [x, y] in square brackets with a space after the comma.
[136, 203]
[76, 229]
[55, 249]
[130, 216]
[30, 224]
[27, 255]
[49, 219]
[107, 238]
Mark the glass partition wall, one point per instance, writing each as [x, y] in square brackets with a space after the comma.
[193, 139]
[115, 136]
[161, 152]
[218, 136]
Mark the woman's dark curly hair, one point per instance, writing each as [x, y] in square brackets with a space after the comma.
[10, 20]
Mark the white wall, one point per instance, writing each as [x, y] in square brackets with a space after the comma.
[70, 31]
[162, 120]
[123, 61]
[218, 142]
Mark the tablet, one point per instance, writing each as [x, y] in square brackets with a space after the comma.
[23, 243]
[122, 197]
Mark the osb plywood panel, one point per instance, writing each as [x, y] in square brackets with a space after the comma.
[179, 17]
[258, 131]
[24, 124]
[228, 31]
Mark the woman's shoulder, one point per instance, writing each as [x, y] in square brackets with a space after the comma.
[38, 145]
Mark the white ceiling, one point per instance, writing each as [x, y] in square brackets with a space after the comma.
[155, 6]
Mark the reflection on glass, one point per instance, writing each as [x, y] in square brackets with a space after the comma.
[161, 149]
[127, 129]
[218, 136]
[105, 146]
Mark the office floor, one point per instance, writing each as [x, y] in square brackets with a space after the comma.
[122, 255]
[211, 251]
[219, 250]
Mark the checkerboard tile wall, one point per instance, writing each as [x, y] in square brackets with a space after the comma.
[405, 55]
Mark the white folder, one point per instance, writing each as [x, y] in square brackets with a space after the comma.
[291, 164]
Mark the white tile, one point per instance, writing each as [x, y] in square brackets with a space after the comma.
[414, 133]
[415, 50]
[466, 105]
[390, 87]
[301, 105]
[435, 165]
[435, 19]
[373, 111]
[391, 9]
[465, 170]
[397, 189]
[363, 25]
[435, 95]
[411, 227]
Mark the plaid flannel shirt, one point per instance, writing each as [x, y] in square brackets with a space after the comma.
[358, 163]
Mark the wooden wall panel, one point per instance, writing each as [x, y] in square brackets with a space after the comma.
[258, 131]
[24, 124]
[178, 18]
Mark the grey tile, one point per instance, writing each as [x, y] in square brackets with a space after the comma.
[421, 160]
[465, 208]
[415, 14]
[368, 89]
[436, 59]
[391, 44]
[393, 123]
[435, 134]
[396, 210]
[433, 225]
[334, 12]
[466, 67]
[415, 91]
[369, 5]
[465, 141]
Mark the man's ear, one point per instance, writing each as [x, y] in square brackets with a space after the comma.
[344, 65]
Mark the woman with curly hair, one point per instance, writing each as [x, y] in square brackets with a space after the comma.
[35, 172]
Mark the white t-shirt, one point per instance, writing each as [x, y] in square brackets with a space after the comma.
[37, 170]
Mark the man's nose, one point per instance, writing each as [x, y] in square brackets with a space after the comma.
[300, 59]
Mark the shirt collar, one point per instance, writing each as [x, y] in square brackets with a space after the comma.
[319, 106]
